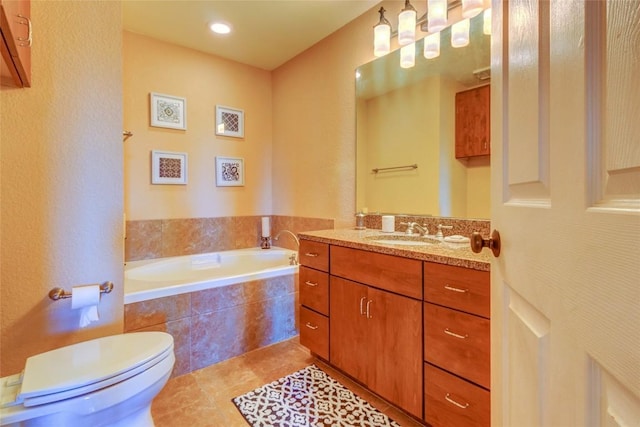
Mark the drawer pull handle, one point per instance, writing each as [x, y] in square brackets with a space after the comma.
[312, 284]
[369, 316]
[361, 307]
[310, 326]
[311, 254]
[459, 405]
[453, 334]
[451, 288]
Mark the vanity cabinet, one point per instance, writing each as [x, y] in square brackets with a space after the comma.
[314, 297]
[15, 43]
[415, 333]
[376, 323]
[456, 346]
[473, 122]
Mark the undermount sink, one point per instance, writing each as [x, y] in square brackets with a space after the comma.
[402, 240]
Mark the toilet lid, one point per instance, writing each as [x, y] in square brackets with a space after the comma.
[87, 366]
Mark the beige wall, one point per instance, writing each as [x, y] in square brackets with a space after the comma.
[408, 119]
[205, 81]
[314, 125]
[61, 156]
[478, 187]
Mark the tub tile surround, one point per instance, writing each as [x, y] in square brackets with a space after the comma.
[216, 324]
[160, 238]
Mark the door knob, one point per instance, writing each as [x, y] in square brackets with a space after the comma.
[493, 243]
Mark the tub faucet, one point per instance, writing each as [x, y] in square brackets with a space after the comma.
[292, 259]
[292, 235]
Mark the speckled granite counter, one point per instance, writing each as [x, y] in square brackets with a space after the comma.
[458, 254]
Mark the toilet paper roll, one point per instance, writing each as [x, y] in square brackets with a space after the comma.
[388, 223]
[86, 298]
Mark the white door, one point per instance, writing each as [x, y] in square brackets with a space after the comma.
[566, 201]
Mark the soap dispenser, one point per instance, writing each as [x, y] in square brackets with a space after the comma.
[360, 221]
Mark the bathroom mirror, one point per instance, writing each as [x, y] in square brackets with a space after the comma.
[406, 117]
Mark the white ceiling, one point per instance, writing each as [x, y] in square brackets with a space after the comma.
[266, 33]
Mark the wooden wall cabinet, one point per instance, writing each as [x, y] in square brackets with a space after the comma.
[15, 43]
[473, 122]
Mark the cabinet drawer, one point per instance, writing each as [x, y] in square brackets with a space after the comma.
[457, 287]
[314, 290]
[458, 342]
[451, 401]
[388, 272]
[314, 255]
[314, 332]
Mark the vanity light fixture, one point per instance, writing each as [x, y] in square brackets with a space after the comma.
[382, 35]
[408, 55]
[460, 33]
[437, 18]
[432, 46]
[220, 28]
[471, 8]
[407, 24]
[486, 22]
[433, 21]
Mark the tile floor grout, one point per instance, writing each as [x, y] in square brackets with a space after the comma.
[202, 398]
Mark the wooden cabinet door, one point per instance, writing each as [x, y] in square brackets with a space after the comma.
[15, 46]
[348, 340]
[395, 349]
[473, 137]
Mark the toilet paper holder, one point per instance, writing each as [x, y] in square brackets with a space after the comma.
[59, 293]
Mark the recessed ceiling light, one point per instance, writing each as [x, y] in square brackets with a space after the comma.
[220, 28]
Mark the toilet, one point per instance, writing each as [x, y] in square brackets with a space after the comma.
[109, 381]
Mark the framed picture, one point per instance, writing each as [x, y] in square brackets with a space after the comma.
[229, 171]
[168, 167]
[168, 111]
[229, 121]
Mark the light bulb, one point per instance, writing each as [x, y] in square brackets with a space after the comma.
[471, 8]
[220, 28]
[437, 15]
[408, 56]
[381, 39]
[486, 22]
[382, 35]
[407, 25]
[432, 46]
[460, 33]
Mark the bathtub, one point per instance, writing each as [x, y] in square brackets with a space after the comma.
[150, 279]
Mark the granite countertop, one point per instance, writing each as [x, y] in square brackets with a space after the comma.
[457, 254]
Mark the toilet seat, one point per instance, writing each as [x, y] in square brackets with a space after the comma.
[91, 365]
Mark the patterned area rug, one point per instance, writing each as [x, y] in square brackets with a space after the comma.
[308, 398]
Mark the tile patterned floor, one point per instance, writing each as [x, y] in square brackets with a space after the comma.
[203, 397]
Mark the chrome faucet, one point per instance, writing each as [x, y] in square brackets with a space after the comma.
[412, 226]
[293, 260]
[292, 235]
